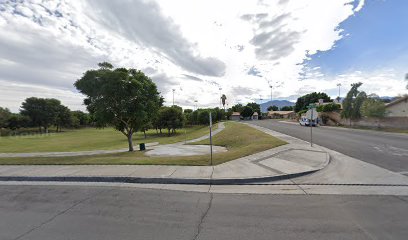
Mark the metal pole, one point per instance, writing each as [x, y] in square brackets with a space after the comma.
[311, 131]
[271, 93]
[211, 150]
[173, 95]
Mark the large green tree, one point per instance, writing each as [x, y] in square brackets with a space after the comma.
[5, 114]
[64, 118]
[372, 107]
[247, 111]
[353, 102]
[124, 98]
[171, 118]
[273, 108]
[237, 108]
[255, 106]
[43, 112]
[303, 102]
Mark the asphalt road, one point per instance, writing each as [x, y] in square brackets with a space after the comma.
[72, 212]
[387, 150]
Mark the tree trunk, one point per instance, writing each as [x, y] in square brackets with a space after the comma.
[144, 132]
[46, 130]
[160, 131]
[130, 141]
[39, 129]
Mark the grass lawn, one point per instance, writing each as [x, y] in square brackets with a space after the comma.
[90, 139]
[240, 140]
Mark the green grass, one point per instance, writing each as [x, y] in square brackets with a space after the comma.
[240, 140]
[90, 139]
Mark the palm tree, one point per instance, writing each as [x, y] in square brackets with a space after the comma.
[223, 98]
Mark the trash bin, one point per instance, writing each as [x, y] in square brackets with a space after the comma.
[142, 147]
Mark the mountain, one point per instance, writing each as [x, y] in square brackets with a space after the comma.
[278, 103]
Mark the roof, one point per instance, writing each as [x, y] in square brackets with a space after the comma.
[280, 112]
[255, 114]
[397, 101]
[236, 114]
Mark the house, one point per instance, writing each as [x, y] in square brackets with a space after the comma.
[235, 116]
[397, 108]
[255, 116]
[282, 114]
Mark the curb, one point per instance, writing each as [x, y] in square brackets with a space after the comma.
[189, 181]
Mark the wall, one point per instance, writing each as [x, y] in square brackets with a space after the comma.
[398, 110]
[386, 122]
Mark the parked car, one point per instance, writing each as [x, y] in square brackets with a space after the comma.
[305, 122]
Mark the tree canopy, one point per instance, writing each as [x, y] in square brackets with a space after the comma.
[273, 108]
[353, 102]
[255, 106]
[124, 98]
[247, 111]
[303, 102]
[372, 107]
[43, 112]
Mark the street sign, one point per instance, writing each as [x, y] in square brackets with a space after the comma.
[311, 114]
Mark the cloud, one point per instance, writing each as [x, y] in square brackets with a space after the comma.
[272, 39]
[254, 72]
[193, 78]
[143, 22]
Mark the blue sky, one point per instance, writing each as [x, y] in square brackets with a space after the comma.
[375, 38]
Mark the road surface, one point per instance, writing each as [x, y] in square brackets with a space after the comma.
[387, 150]
[85, 212]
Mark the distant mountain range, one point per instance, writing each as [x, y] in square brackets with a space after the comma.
[278, 103]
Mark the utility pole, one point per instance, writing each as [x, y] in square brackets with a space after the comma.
[220, 97]
[339, 85]
[173, 95]
[271, 92]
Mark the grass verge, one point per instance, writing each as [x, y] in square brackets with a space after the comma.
[240, 140]
[90, 139]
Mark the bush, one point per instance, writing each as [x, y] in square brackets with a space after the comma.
[328, 107]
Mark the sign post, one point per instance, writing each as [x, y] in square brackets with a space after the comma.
[211, 151]
[311, 115]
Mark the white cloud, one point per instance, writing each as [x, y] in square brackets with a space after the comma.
[197, 46]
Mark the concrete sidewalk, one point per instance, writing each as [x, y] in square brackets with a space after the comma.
[295, 159]
[278, 163]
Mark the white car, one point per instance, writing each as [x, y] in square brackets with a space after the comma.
[305, 122]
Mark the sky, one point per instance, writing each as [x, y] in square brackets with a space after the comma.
[198, 47]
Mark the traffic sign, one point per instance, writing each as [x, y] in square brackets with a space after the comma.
[311, 114]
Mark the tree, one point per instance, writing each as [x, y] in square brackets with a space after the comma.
[223, 98]
[353, 101]
[43, 112]
[247, 111]
[64, 118]
[373, 108]
[303, 102]
[287, 108]
[5, 114]
[83, 118]
[328, 107]
[171, 118]
[273, 108]
[256, 107]
[237, 108]
[124, 98]
[17, 121]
